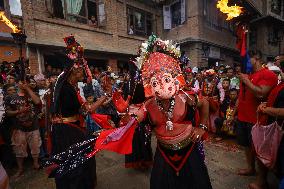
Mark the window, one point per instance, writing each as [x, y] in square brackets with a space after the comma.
[252, 38]
[273, 36]
[139, 22]
[83, 11]
[2, 5]
[15, 7]
[174, 14]
[214, 18]
[276, 6]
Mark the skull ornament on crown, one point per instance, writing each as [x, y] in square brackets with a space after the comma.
[159, 63]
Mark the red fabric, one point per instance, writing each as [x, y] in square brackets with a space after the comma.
[122, 146]
[181, 80]
[102, 120]
[148, 91]
[120, 104]
[41, 122]
[248, 103]
[241, 40]
[274, 93]
[49, 143]
[270, 102]
[168, 159]
[244, 41]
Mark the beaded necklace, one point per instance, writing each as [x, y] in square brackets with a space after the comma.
[169, 113]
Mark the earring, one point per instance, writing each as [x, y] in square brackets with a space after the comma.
[176, 82]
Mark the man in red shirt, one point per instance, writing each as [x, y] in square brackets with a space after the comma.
[254, 88]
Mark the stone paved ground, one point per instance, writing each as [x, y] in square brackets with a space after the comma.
[223, 159]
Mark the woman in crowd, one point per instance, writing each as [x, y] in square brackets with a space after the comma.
[142, 156]
[67, 128]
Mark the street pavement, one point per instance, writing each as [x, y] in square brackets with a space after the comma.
[222, 158]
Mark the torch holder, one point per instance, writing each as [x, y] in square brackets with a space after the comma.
[20, 39]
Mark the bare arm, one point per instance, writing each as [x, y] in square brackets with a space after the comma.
[258, 91]
[98, 103]
[203, 106]
[11, 113]
[275, 112]
[35, 98]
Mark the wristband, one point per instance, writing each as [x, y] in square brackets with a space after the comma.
[204, 127]
[134, 116]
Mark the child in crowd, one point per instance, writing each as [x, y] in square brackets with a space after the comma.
[95, 122]
[224, 90]
[91, 125]
[226, 122]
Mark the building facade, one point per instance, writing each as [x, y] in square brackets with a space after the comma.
[109, 30]
[112, 30]
[267, 30]
[209, 39]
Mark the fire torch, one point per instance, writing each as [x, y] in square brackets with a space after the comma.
[19, 38]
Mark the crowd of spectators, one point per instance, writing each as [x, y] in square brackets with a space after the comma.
[234, 99]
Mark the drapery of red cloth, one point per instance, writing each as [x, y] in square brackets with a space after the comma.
[121, 145]
[102, 120]
[241, 40]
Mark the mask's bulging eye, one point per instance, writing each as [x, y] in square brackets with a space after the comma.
[154, 83]
[167, 79]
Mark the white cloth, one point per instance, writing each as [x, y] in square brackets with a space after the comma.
[81, 86]
[196, 87]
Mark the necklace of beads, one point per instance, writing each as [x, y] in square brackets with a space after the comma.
[169, 113]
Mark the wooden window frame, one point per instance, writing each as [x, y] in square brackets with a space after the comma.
[66, 15]
[147, 17]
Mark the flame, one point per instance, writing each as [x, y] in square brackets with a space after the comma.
[4, 19]
[231, 11]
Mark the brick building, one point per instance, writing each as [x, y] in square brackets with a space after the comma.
[8, 49]
[267, 30]
[111, 30]
[207, 38]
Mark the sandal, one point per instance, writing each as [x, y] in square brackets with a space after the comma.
[246, 172]
[256, 186]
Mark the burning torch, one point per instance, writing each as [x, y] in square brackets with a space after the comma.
[20, 38]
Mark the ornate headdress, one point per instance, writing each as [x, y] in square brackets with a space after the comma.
[75, 52]
[158, 56]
